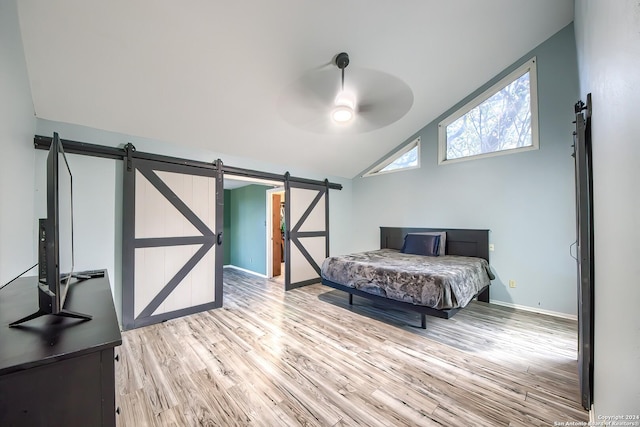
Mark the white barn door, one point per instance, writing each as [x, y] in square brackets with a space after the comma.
[172, 263]
[307, 232]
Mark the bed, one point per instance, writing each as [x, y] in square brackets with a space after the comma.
[430, 285]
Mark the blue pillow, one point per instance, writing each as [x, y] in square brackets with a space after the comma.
[421, 244]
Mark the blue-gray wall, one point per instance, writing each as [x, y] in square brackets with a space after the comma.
[17, 126]
[248, 228]
[525, 199]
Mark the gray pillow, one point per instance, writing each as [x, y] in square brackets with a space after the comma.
[443, 239]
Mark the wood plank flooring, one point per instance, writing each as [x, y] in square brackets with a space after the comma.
[305, 358]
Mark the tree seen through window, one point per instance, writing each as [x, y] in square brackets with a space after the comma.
[502, 119]
[407, 160]
[502, 122]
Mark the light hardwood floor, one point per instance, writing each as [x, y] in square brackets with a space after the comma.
[304, 357]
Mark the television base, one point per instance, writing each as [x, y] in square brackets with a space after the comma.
[62, 313]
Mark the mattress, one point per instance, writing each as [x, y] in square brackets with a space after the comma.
[442, 282]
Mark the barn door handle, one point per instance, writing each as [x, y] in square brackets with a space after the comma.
[219, 238]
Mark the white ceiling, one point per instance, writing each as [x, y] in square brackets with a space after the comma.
[208, 73]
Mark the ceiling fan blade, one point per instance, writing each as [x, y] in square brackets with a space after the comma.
[381, 100]
[365, 108]
[311, 96]
[384, 109]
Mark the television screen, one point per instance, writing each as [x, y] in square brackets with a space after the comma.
[65, 223]
[55, 240]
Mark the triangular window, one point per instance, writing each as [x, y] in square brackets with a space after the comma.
[503, 119]
[408, 157]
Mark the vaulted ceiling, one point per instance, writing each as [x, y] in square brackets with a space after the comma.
[213, 74]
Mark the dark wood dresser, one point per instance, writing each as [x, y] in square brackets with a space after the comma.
[58, 371]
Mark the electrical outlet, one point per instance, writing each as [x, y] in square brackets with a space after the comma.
[512, 283]
[491, 247]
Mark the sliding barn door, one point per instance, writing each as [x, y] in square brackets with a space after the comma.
[584, 238]
[307, 232]
[172, 241]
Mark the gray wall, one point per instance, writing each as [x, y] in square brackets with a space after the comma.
[608, 44]
[17, 125]
[525, 199]
[248, 239]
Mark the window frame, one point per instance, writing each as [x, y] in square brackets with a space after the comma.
[530, 67]
[377, 169]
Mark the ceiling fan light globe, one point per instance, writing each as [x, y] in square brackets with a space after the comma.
[342, 114]
[345, 99]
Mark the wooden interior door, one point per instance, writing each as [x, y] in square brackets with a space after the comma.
[276, 235]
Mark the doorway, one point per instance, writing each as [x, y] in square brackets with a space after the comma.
[246, 223]
[275, 234]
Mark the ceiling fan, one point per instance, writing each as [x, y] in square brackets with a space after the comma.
[345, 102]
[322, 101]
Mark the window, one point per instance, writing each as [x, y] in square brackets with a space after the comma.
[408, 157]
[503, 119]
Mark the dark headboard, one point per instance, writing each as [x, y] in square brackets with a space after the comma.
[459, 241]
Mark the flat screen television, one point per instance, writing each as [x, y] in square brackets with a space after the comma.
[55, 239]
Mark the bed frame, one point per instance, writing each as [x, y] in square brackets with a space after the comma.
[459, 242]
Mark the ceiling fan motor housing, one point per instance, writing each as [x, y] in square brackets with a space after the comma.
[342, 60]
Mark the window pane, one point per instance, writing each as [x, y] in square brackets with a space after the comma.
[502, 122]
[407, 160]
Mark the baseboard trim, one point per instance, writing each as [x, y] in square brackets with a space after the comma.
[245, 270]
[536, 310]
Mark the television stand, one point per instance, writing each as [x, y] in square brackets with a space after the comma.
[62, 313]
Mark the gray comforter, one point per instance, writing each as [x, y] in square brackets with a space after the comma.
[442, 282]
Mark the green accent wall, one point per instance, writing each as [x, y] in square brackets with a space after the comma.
[247, 228]
[226, 230]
